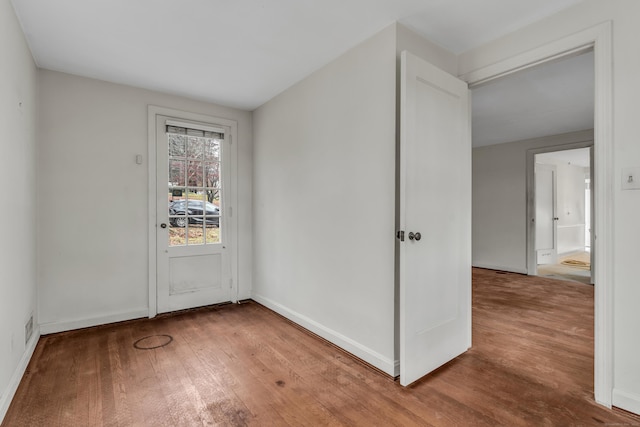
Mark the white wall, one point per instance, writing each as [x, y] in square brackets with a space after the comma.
[499, 201]
[93, 198]
[18, 178]
[626, 204]
[324, 201]
[570, 209]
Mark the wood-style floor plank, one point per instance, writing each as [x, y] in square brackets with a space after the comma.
[236, 365]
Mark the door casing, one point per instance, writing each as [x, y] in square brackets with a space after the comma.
[599, 38]
[232, 222]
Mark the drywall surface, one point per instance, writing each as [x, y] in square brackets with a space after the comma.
[93, 198]
[626, 152]
[324, 201]
[18, 175]
[499, 201]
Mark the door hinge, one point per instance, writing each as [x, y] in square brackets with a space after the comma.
[230, 283]
[230, 211]
[400, 235]
[230, 142]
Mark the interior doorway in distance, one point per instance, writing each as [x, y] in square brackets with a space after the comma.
[563, 220]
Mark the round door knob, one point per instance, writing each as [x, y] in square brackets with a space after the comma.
[418, 236]
[163, 225]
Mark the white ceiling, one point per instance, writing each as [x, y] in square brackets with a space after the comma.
[549, 99]
[241, 53]
[459, 25]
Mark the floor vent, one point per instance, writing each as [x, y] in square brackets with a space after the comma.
[28, 330]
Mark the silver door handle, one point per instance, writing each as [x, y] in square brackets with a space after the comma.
[417, 236]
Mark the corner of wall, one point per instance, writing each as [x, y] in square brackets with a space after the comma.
[386, 365]
[407, 39]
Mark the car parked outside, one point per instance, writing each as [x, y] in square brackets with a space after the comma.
[193, 211]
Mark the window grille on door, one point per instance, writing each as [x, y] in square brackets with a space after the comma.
[195, 185]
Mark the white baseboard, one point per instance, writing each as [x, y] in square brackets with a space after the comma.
[69, 325]
[627, 401]
[500, 268]
[12, 387]
[386, 365]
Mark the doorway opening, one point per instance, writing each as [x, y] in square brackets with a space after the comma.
[562, 215]
[596, 43]
[599, 39]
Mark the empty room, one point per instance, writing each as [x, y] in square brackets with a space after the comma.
[250, 213]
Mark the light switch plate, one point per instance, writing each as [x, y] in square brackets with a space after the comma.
[631, 179]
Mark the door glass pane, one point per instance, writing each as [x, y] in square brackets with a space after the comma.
[196, 234]
[176, 145]
[195, 147]
[213, 229]
[177, 236]
[212, 175]
[212, 149]
[195, 206]
[176, 173]
[194, 173]
[213, 196]
[176, 194]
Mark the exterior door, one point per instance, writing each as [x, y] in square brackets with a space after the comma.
[193, 257]
[546, 219]
[435, 216]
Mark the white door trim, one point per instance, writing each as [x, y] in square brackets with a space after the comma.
[598, 37]
[232, 195]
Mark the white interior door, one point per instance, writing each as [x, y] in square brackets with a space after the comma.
[193, 257]
[435, 214]
[546, 219]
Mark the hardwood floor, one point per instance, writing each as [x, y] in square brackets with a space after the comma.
[234, 365]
